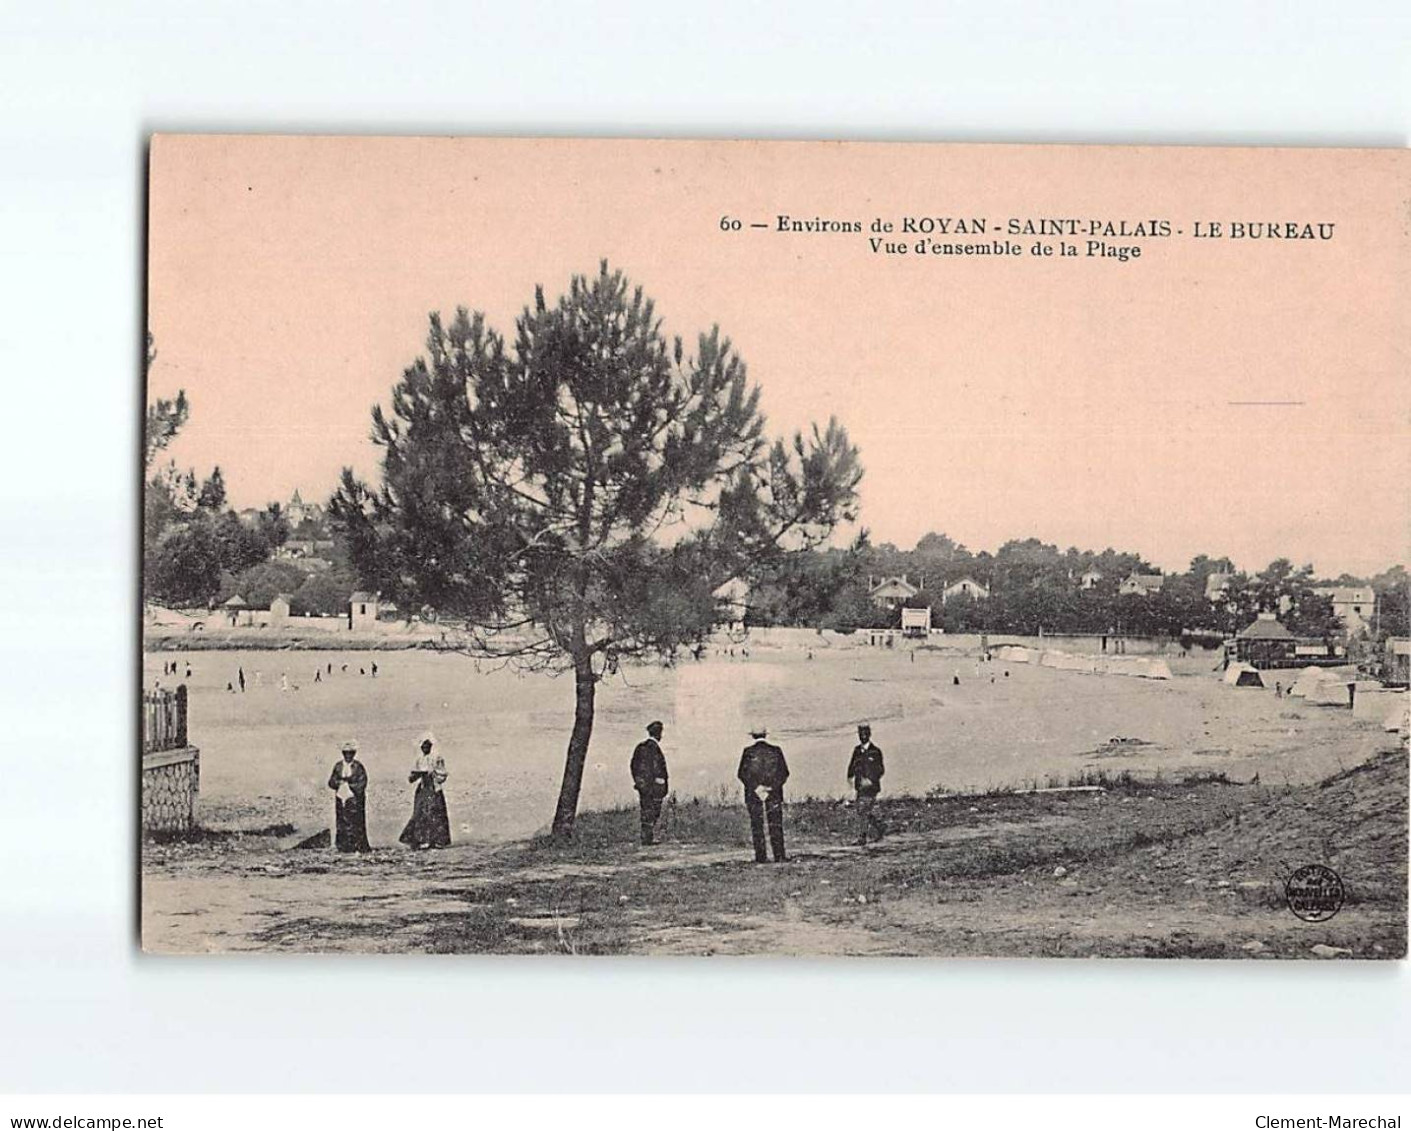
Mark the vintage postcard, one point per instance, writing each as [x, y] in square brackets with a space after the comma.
[704, 547]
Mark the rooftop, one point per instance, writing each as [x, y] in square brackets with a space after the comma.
[1265, 628]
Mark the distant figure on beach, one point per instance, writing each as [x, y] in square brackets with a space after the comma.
[649, 779]
[230, 687]
[241, 675]
[1006, 673]
[955, 679]
[330, 667]
[865, 772]
[430, 826]
[349, 784]
[763, 773]
[1278, 690]
[188, 671]
[283, 681]
[345, 667]
[374, 669]
[318, 675]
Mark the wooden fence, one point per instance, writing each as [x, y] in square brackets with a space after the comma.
[164, 720]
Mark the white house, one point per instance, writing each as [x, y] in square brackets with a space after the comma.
[1352, 604]
[891, 592]
[1089, 579]
[966, 587]
[279, 609]
[1216, 585]
[1141, 584]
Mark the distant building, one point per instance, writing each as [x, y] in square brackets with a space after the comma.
[297, 511]
[1141, 584]
[966, 587]
[305, 550]
[1266, 643]
[1089, 579]
[362, 611]
[1352, 605]
[279, 609]
[916, 622]
[734, 597]
[1216, 585]
[892, 592]
[1397, 662]
[235, 607]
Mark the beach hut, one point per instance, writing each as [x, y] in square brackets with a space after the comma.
[233, 607]
[279, 608]
[362, 611]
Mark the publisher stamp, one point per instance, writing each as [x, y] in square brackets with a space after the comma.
[1314, 893]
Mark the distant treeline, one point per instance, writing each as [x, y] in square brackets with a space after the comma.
[1035, 585]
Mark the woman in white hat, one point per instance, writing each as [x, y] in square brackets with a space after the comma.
[430, 826]
[349, 784]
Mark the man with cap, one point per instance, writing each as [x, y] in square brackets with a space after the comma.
[865, 772]
[763, 773]
[349, 784]
[649, 779]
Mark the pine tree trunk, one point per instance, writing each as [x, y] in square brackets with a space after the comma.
[585, 684]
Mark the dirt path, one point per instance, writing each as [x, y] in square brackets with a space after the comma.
[1177, 870]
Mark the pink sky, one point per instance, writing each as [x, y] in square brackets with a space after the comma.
[1082, 401]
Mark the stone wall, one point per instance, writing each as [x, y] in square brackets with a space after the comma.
[171, 781]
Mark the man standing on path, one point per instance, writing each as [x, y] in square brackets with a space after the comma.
[649, 779]
[763, 773]
[865, 772]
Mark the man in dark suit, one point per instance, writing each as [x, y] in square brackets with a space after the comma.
[865, 772]
[763, 773]
[649, 779]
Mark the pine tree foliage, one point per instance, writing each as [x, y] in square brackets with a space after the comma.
[574, 496]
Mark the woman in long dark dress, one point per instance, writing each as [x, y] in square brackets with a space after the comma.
[430, 826]
[349, 784]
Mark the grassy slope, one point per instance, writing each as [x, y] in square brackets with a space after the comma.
[1161, 870]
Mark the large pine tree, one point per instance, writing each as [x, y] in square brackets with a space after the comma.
[575, 497]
